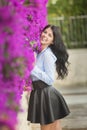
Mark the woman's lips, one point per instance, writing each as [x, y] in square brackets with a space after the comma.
[44, 39]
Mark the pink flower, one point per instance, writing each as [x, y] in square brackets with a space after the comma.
[20, 29]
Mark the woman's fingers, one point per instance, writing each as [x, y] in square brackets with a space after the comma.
[27, 88]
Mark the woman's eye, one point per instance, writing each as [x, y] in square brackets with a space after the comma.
[45, 31]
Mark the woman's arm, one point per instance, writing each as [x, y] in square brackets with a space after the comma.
[48, 75]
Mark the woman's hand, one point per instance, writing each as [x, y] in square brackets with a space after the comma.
[27, 88]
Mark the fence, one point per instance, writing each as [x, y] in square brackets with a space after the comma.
[73, 28]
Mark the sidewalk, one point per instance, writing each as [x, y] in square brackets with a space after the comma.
[77, 120]
[76, 97]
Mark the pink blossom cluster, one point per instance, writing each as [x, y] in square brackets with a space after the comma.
[15, 61]
[20, 29]
[36, 16]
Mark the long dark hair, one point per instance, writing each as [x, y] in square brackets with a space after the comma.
[59, 49]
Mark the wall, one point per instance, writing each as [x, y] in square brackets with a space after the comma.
[77, 68]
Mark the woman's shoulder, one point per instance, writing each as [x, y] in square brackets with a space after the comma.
[49, 54]
[48, 51]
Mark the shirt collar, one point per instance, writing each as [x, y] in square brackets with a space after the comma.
[44, 50]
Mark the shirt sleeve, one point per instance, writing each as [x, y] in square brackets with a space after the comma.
[48, 74]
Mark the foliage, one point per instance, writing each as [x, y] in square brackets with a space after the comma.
[71, 17]
[68, 8]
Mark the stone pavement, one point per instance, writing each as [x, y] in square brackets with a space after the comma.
[76, 97]
[77, 120]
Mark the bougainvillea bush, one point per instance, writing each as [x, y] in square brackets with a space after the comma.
[20, 28]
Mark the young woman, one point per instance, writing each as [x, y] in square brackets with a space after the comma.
[46, 105]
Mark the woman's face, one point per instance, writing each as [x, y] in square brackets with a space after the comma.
[47, 37]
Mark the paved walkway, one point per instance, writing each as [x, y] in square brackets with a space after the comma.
[76, 97]
[77, 120]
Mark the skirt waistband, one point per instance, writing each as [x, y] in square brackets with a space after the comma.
[39, 84]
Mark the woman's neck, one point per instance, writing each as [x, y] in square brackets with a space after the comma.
[43, 47]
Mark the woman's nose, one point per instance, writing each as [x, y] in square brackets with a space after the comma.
[45, 35]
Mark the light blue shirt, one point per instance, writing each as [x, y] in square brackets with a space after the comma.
[44, 67]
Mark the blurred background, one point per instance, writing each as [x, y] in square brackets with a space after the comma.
[71, 17]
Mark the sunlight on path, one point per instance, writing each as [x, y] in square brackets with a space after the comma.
[23, 124]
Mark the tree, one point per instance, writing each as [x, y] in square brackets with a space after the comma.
[68, 7]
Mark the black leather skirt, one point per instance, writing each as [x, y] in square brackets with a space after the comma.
[46, 104]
